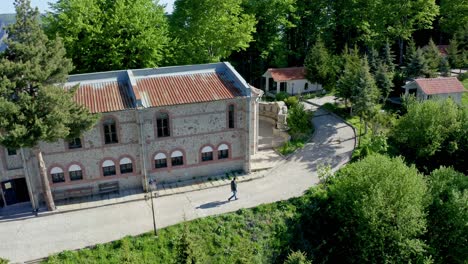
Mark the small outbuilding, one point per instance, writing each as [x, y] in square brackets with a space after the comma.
[290, 80]
[428, 88]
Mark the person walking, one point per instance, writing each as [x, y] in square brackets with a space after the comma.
[233, 189]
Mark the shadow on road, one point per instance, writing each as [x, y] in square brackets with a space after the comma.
[212, 204]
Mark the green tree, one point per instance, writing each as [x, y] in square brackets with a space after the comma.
[433, 133]
[448, 215]
[432, 57]
[378, 204]
[373, 60]
[384, 80]
[418, 66]
[365, 94]
[453, 15]
[299, 121]
[444, 67]
[388, 57]
[103, 35]
[209, 30]
[33, 107]
[455, 57]
[347, 79]
[320, 66]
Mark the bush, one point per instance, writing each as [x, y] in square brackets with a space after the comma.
[281, 96]
[291, 101]
[463, 76]
[297, 257]
[299, 122]
[3, 261]
[291, 146]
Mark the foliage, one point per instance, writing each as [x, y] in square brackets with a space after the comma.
[444, 67]
[453, 15]
[378, 205]
[448, 214]
[347, 80]
[291, 101]
[432, 57]
[297, 257]
[3, 261]
[33, 108]
[320, 66]
[299, 122]
[384, 80]
[186, 248]
[324, 172]
[432, 133]
[291, 146]
[418, 66]
[103, 35]
[388, 57]
[281, 96]
[209, 30]
[454, 55]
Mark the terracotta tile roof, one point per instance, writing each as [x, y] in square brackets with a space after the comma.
[287, 74]
[104, 96]
[443, 49]
[185, 88]
[440, 85]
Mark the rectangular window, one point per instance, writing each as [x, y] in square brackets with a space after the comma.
[231, 116]
[74, 143]
[126, 168]
[162, 123]
[58, 177]
[177, 161]
[282, 87]
[76, 175]
[11, 152]
[271, 84]
[108, 171]
[110, 132]
[160, 163]
[206, 156]
[223, 154]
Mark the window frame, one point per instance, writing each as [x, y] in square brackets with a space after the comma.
[60, 174]
[126, 167]
[107, 170]
[163, 125]
[73, 174]
[111, 136]
[223, 148]
[12, 152]
[231, 115]
[71, 144]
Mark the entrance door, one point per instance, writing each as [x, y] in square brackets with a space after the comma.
[15, 191]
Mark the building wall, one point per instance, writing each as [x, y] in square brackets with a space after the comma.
[455, 96]
[298, 87]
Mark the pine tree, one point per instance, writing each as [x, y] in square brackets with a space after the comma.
[384, 80]
[320, 66]
[454, 56]
[388, 57]
[410, 51]
[417, 65]
[34, 107]
[444, 67]
[373, 59]
[347, 80]
[433, 58]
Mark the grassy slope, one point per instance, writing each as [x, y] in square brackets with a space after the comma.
[257, 235]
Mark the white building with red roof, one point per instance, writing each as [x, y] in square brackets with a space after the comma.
[165, 125]
[428, 88]
[290, 80]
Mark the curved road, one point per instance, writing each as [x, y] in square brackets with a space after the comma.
[34, 238]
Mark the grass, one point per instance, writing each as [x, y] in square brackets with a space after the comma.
[291, 146]
[258, 235]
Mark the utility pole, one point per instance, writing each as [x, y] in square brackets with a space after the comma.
[153, 184]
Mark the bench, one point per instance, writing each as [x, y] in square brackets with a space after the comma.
[109, 187]
[73, 193]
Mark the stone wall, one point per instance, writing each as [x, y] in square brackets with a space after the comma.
[276, 111]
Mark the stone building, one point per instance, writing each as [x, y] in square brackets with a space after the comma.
[165, 124]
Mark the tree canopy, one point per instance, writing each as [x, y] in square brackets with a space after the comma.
[103, 35]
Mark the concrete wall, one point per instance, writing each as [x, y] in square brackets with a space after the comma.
[298, 87]
[455, 96]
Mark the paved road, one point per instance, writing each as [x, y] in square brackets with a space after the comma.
[38, 237]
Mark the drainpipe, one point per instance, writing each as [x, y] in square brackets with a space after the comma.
[28, 181]
[142, 150]
[249, 129]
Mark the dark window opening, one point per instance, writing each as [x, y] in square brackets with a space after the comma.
[126, 168]
[110, 132]
[223, 154]
[206, 156]
[58, 177]
[11, 152]
[162, 124]
[282, 87]
[160, 163]
[108, 171]
[74, 143]
[231, 116]
[306, 86]
[177, 161]
[271, 84]
[76, 175]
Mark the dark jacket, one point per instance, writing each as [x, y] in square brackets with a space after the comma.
[233, 186]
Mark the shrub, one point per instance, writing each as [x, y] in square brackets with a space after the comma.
[297, 257]
[291, 101]
[463, 76]
[299, 122]
[3, 261]
[281, 96]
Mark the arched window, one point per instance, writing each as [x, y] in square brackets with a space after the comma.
[160, 161]
[75, 173]
[57, 175]
[110, 131]
[162, 124]
[306, 86]
[108, 168]
[177, 158]
[126, 166]
[231, 116]
[223, 151]
[207, 153]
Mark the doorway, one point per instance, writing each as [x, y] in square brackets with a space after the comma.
[15, 191]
